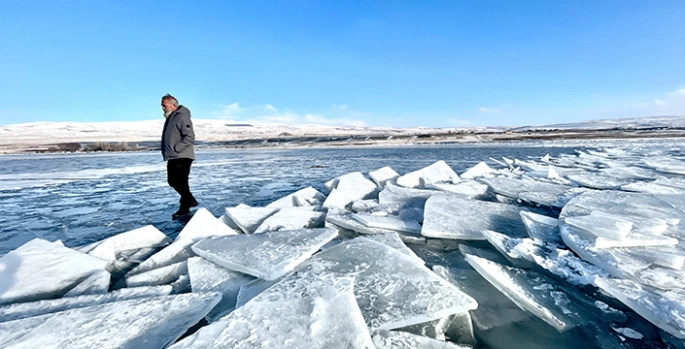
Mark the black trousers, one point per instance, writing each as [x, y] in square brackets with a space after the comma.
[178, 171]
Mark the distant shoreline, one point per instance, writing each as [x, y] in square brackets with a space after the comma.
[333, 141]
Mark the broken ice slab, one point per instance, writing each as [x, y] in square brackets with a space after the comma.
[532, 293]
[433, 329]
[506, 246]
[206, 276]
[152, 322]
[18, 311]
[249, 218]
[455, 217]
[160, 276]
[644, 210]
[460, 329]
[404, 340]
[662, 278]
[602, 225]
[550, 199]
[393, 240]
[393, 290]
[40, 269]
[633, 239]
[664, 309]
[271, 255]
[665, 164]
[438, 172]
[513, 188]
[179, 250]
[388, 222]
[615, 261]
[469, 189]
[597, 180]
[204, 223]
[147, 238]
[480, 170]
[292, 218]
[336, 202]
[541, 227]
[397, 195]
[253, 289]
[302, 311]
[494, 309]
[303, 197]
[364, 205]
[354, 186]
[666, 256]
[652, 188]
[98, 283]
[347, 222]
[382, 175]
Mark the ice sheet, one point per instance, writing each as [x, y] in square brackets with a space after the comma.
[204, 223]
[160, 276]
[98, 283]
[291, 219]
[271, 255]
[303, 197]
[388, 222]
[383, 175]
[152, 322]
[404, 340]
[455, 217]
[541, 227]
[470, 189]
[438, 172]
[249, 218]
[355, 186]
[42, 270]
[397, 195]
[480, 170]
[602, 225]
[303, 311]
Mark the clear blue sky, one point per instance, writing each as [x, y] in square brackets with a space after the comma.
[378, 63]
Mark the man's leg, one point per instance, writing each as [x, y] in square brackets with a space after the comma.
[178, 171]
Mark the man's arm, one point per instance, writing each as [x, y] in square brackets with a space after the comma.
[185, 127]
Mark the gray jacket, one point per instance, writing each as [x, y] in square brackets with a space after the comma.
[178, 135]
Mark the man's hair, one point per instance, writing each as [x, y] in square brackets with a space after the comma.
[171, 98]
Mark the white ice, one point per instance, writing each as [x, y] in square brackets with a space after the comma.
[541, 227]
[602, 225]
[542, 300]
[455, 217]
[382, 175]
[42, 270]
[206, 276]
[30, 309]
[404, 340]
[292, 218]
[98, 283]
[392, 289]
[347, 222]
[393, 240]
[271, 255]
[303, 197]
[388, 222]
[438, 172]
[249, 218]
[506, 246]
[303, 311]
[253, 289]
[159, 276]
[664, 309]
[203, 223]
[354, 186]
[397, 195]
[468, 188]
[336, 202]
[152, 322]
[480, 170]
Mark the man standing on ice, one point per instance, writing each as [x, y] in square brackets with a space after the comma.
[178, 151]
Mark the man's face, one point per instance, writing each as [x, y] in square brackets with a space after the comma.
[168, 106]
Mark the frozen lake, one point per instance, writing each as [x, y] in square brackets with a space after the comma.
[81, 198]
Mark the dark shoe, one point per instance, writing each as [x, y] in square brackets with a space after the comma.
[194, 203]
[180, 213]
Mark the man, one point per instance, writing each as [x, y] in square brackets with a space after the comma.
[178, 151]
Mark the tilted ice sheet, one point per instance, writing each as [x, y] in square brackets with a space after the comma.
[303, 311]
[665, 256]
[470, 189]
[455, 217]
[160, 276]
[41, 270]
[597, 180]
[393, 240]
[347, 222]
[602, 225]
[543, 300]
[206, 276]
[249, 218]
[291, 219]
[665, 310]
[303, 197]
[30, 309]
[505, 245]
[355, 186]
[153, 322]
[404, 340]
[480, 170]
[252, 289]
[147, 237]
[388, 222]
[633, 239]
[393, 194]
[393, 290]
[541, 227]
[513, 187]
[97, 283]
[383, 175]
[435, 173]
[271, 255]
[204, 223]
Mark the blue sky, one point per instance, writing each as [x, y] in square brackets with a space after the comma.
[377, 63]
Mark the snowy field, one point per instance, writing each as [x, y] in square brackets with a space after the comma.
[545, 245]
